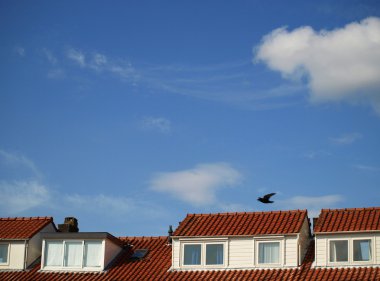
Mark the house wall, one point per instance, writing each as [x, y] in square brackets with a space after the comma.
[111, 251]
[241, 252]
[35, 244]
[16, 255]
[304, 241]
[322, 248]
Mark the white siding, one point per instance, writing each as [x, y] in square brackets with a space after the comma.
[241, 252]
[291, 249]
[322, 248]
[16, 255]
[175, 253]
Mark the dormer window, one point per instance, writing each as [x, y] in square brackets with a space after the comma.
[203, 254]
[339, 251]
[73, 254]
[269, 252]
[4, 250]
[362, 250]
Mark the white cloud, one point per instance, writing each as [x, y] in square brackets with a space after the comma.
[367, 168]
[77, 56]
[18, 196]
[198, 185]
[340, 65]
[347, 139]
[160, 124]
[312, 203]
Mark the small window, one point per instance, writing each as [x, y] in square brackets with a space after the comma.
[339, 251]
[214, 254]
[192, 254]
[53, 253]
[269, 252]
[4, 253]
[362, 250]
[73, 254]
[92, 253]
[139, 253]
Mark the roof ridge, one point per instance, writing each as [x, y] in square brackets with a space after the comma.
[25, 218]
[351, 209]
[248, 213]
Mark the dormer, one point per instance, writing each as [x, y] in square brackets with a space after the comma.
[21, 242]
[246, 240]
[347, 237]
[70, 250]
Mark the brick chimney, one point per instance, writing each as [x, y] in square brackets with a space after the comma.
[69, 225]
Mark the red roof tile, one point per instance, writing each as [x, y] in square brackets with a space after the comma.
[22, 228]
[156, 266]
[355, 219]
[249, 223]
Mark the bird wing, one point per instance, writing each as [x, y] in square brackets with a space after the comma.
[267, 196]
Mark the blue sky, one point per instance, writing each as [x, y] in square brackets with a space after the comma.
[130, 115]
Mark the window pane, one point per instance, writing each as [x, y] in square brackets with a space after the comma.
[269, 252]
[92, 253]
[73, 254]
[3, 253]
[362, 250]
[339, 251]
[214, 254]
[192, 254]
[53, 253]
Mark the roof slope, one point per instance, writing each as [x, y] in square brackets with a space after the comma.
[22, 228]
[355, 219]
[247, 223]
[156, 266]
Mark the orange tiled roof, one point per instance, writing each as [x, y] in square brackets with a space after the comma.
[248, 223]
[355, 219]
[22, 228]
[156, 266]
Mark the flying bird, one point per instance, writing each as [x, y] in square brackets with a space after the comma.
[265, 198]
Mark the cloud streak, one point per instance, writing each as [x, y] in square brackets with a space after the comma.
[346, 139]
[159, 124]
[340, 65]
[198, 185]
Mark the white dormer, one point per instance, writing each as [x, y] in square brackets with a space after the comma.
[20, 241]
[347, 237]
[241, 240]
[78, 251]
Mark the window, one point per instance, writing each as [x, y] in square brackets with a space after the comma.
[192, 254]
[362, 250]
[203, 254]
[269, 253]
[214, 254]
[73, 254]
[4, 253]
[339, 251]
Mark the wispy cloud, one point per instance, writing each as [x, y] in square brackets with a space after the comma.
[20, 51]
[340, 65]
[314, 154]
[76, 56]
[346, 139]
[198, 185]
[19, 196]
[49, 56]
[17, 160]
[367, 168]
[159, 124]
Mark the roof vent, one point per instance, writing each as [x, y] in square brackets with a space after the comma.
[139, 254]
[69, 225]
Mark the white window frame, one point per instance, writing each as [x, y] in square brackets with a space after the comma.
[371, 249]
[280, 254]
[8, 254]
[72, 268]
[203, 244]
[350, 250]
